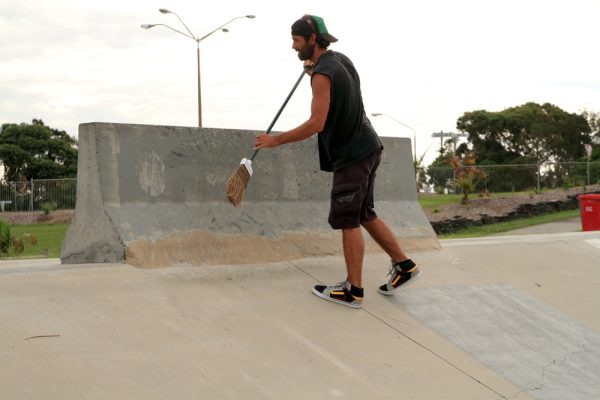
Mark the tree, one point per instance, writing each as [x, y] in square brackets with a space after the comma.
[420, 171]
[593, 119]
[439, 171]
[36, 151]
[539, 133]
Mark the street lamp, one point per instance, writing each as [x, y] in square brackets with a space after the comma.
[198, 40]
[402, 123]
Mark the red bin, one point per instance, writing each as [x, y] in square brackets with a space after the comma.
[589, 205]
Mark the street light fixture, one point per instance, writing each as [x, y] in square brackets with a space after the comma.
[198, 40]
[402, 123]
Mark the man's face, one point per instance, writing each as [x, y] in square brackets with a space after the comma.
[304, 48]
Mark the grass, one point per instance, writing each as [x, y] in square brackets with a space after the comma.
[435, 200]
[491, 229]
[50, 238]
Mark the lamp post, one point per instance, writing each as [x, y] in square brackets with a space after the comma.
[190, 35]
[403, 124]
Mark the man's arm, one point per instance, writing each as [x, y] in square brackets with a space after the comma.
[321, 86]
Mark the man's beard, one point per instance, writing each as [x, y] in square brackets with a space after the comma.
[307, 52]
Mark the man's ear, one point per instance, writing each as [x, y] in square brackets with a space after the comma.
[313, 39]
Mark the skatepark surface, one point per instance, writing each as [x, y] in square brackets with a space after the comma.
[505, 317]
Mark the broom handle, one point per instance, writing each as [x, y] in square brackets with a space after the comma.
[281, 109]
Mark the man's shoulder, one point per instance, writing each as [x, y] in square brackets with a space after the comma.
[326, 64]
[329, 60]
[341, 57]
[333, 56]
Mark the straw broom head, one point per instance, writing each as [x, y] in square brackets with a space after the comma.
[238, 181]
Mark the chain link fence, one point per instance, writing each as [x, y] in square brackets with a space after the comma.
[37, 195]
[60, 194]
[519, 178]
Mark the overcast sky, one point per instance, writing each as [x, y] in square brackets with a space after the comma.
[423, 62]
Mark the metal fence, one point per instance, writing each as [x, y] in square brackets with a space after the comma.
[37, 195]
[60, 194]
[519, 178]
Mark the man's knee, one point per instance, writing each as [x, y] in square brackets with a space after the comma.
[367, 223]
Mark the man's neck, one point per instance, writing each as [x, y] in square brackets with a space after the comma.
[317, 54]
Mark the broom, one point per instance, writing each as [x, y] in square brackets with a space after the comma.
[237, 183]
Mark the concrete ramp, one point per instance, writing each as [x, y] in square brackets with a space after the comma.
[154, 196]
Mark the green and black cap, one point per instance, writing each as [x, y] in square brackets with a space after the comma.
[309, 24]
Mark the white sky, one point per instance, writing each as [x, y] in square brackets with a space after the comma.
[424, 63]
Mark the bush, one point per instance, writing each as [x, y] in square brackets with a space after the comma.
[5, 238]
[17, 244]
[49, 207]
[466, 175]
[30, 238]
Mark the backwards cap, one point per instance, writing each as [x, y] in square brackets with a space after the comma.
[309, 24]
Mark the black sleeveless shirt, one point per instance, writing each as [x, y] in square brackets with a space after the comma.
[348, 136]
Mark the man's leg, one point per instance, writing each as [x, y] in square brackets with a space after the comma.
[350, 190]
[403, 270]
[354, 251]
[384, 237]
[349, 292]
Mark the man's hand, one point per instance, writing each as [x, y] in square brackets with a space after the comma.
[264, 141]
[309, 65]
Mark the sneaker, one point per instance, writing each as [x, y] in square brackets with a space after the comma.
[402, 274]
[343, 293]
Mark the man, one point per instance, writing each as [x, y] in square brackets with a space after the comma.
[350, 148]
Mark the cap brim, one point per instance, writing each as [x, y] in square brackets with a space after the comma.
[329, 37]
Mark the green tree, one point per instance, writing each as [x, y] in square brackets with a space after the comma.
[593, 119]
[36, 151]
[487, 136]
[439, 171]
[531, 131]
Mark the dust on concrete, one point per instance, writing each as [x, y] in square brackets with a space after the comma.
[207, 248]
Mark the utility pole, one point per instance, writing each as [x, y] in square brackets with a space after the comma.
[453, 136]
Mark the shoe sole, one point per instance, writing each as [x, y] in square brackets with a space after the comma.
[344, 303]
[392, 292]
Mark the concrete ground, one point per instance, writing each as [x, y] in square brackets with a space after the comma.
[511, 317]
[565, 225]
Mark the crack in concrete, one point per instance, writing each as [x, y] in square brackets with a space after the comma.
[554, 362]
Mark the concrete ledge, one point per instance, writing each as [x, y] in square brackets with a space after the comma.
[155, 196]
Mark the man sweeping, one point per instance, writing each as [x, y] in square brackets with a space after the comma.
[350, 148]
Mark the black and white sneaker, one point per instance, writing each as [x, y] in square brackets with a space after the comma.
[402, 274]
[342, 293]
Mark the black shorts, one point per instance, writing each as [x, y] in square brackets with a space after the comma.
[352, 193]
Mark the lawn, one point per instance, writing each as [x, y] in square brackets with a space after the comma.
[49, 240]
[436, 200]
[433, 201]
